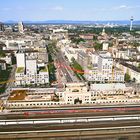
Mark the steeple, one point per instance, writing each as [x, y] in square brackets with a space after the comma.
[103, 32]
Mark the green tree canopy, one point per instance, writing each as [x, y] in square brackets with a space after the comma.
[127, 77]
[98, 46]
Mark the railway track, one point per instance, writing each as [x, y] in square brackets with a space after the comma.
[70, 120]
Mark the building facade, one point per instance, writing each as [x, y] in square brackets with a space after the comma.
[103, 69]
[29, 73]
[73, 93]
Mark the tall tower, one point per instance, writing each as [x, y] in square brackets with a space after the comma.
[20, 27]
[131, 23]
[103, 32]
[1, 27]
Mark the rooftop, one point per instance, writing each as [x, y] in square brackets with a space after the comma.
[17, 95]
[105, 55]
[27, 95]
[83, 54]
[131, 66]
[20, 70]
[2, 61]
[44, 69]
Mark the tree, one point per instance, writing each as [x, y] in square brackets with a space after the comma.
[139, 66]
[77, 67]
[2, 53]
[136, 44]
[13, 59]
[95, 38]
[98, 46]
[52, 69]
[110, 44]
[127, 77]
[77, 40]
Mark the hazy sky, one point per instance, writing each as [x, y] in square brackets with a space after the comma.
[69, 9]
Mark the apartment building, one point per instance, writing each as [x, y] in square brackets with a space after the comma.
[132, 70]
[103, 69]
[29, 72]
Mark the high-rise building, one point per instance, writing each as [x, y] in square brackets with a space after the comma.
[105, 62]
[103, 69]
[1, 26]
[31, 66]
[131, 23]
[20, 27]
[20, 59]
[28, 72]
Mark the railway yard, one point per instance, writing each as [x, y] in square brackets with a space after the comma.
[72, 122]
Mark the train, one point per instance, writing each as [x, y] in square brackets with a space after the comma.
[70, 120]
[76, 110]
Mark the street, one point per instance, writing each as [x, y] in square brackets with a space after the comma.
[64, 68]
[10, 83]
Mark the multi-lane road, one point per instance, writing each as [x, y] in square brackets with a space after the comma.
[9, 83]
[64, 69]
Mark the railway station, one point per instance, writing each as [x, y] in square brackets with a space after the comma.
[72, 94]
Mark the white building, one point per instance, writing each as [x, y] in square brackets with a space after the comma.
[70, 53]
[28, 71]
[105, 62]
[20, 27]
[20, 59]
[102, 69]
[132, 70]
[94, 58]
[31, 66]
[105, 46]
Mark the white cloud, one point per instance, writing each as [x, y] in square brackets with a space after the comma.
[125, 7]
[6, 9]
[20, 8]
[57, 8]
[138, 6]
[121, 7]
[104, 9]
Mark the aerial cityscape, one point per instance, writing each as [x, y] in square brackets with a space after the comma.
[70, 69]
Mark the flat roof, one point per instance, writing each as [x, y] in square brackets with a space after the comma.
[44, 70]
[17, 95]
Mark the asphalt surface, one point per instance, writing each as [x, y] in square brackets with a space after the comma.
[62, 61]
[9, 84]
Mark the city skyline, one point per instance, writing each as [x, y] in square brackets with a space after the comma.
[92, 10]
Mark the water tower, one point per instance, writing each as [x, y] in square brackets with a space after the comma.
[131, 23]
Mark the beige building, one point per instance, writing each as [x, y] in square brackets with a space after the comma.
[20, 27]
[73, 93]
